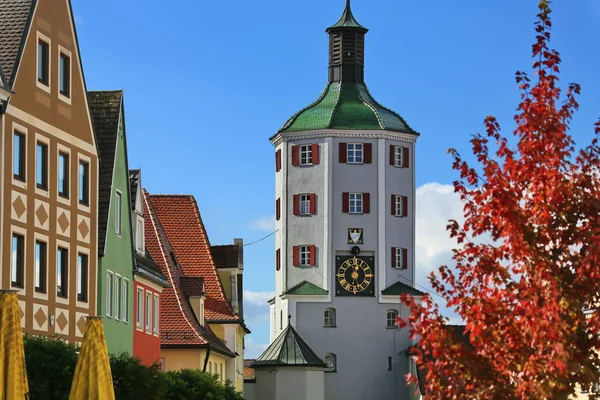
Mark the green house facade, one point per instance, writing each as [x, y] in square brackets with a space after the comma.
[115, 240]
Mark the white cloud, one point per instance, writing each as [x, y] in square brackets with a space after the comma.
[253, 349]
[257, 298]
[266, 224]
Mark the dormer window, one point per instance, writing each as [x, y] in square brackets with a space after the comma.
[43, 62]
[139, 233]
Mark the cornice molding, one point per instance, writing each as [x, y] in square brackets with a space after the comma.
[351, 134]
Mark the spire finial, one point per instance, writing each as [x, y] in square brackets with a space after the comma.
[290, 315]
[348, 4]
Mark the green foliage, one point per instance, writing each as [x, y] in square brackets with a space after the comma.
[51, 365]
[190, 384]
[134, 381]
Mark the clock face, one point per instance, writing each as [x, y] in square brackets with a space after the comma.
[355, 276]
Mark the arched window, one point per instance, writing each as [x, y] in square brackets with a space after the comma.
[331, 362]
[329, 317]
[392, 315]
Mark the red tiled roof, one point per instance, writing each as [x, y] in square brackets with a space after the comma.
[182, 223]
[178, 324]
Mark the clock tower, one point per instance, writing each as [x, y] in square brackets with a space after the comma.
[345, 216]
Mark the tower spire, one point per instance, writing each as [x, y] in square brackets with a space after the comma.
[346, 48]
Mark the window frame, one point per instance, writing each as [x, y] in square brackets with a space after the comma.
[83, 192]
[17, 260]
[399, 205]
[304, 254]
[139, 315]
[65, 74]
[66, 164]
[118, 213]
[304, 200]
[393, 322]
[139, 235]
[358, 200]
[148, 302]
[398, 156]
[41, 161]
[329, 318]
[63, 273]
[83, 268]
[40, 279]
[305, 156]
[40, 83]
[118, 293]
[21, 174]
[333, 356]
[125, 301]
[108, 291]
[156, 326]
[356, 148]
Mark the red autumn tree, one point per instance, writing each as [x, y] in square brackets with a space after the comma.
[524, 295]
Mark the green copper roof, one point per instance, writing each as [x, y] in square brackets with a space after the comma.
[346, 106]
[399, 288]
[306, 288]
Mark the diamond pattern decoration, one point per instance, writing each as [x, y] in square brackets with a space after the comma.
[62, 321]
[63, 222]
[19, 206]
[84, 230]
[41, 214]
[81, 324]
[40, 317]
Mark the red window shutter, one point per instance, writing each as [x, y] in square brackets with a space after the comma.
[278, 209]
[366, 203]
[315, 153]
[296, 255]
[295, 156]
[405, 157]
[343, 152]
[313, 203]
[278, 160]
[404, 259]
[394, 258]
[313, 255]
[296, 204]
[393, 204]
[392, 154]
[368, 156]
[277, 260]
[345, 202]
[404, 206]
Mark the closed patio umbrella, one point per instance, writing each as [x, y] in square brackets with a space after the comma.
[13, 376]
[93, 378]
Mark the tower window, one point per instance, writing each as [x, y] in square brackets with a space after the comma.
[399, 156]
[399, 258]
[305, 155]
[391, 319]
[356, 203]
[355, 153]
[399, 205]
[305, 204]
[330, 362]
[305, 255]
[329, 318]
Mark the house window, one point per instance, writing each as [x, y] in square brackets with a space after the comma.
[139, 316]
[399, 205]
[109, 293]
[65, 75]
[305, 154]
[118, 208]
[399, 258]
[84, 173]
[82, 277]
[63, 174]
[391, 319]
[329, 318]
[356, 203]
[354, 153]
[118, 294]
[62, 272]
[140, 236]
[19, 156]
[148, 312]
[399, 156]
[40, 267]
[41, 166]
[18, 262]
[125, 302]
[305, 204]
[330, 362]
[43, 59]
[156, 314]
[305, 255]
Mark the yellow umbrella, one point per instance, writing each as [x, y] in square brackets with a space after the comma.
[93, 379]
[13, 377]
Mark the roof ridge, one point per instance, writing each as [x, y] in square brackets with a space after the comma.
[335, 107]
[294, 117]
[389, 110]
[381, 125]
[157, 225]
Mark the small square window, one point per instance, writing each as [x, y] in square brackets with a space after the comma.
[306, 154]
[65, 75]
[19, 156]
[355, 153]
[356, 203]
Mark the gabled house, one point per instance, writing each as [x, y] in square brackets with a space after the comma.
[186, 338]
[148, 283]
[115, 237]
[185, 231]
[49, 184]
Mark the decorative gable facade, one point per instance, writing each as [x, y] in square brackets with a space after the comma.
[49, 186]
[115, 238]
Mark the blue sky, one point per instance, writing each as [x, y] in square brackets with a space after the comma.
[208, 82]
